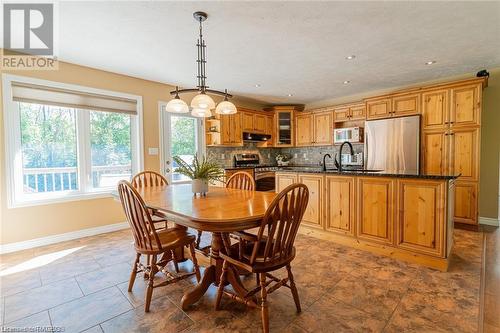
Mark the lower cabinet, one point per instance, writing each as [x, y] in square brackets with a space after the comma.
[466, 202]
[339, 204]
[284, 179]
[375, 202]
[314, 212]
[421, 218]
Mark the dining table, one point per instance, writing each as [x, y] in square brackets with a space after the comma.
[220, 212]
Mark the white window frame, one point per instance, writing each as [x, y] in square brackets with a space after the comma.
[13, 155]
[165, 153]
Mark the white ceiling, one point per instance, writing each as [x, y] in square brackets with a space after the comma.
[285, 47]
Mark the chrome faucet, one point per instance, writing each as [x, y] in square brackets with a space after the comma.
[324, 162]
[340, 153]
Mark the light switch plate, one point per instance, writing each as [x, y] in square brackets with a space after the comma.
[153, 151]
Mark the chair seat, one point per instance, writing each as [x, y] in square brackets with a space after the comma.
[259, 266]
[171, 239]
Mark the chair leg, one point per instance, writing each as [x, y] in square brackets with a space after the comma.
[176, 265]
[222, 282]
[148, 263]
[293, 288]
[195, 262]
[149, 292]
[134, 273]
[264, 306]
[198, 239]
[257, 278]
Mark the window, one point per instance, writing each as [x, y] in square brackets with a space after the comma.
[183, 131]
[66, 142]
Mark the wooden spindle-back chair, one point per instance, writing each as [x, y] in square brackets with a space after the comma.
[151, 242]
[272, 250]
[241, 180]
[148, 179]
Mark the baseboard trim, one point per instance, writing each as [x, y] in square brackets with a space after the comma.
[489, 221]
[32, 243]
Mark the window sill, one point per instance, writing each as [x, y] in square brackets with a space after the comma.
[62, 199]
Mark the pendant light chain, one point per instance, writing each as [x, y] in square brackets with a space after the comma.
[201, 61]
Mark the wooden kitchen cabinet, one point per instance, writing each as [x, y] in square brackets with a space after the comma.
[349, 113]
[375, 209]
[435, 109]
[339, 204]
[405, 105]
[357, 112]
[269, 125]
[231, 133]
[435, 151]
[314, 211]
[314, 129]
[465, 105]
[259, 123]
[421, 218]
[247, 122]
[284, 179]
[466, 202]
[465, 145]
[378, 108]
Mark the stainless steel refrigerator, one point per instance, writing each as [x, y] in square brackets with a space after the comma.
[393, 144]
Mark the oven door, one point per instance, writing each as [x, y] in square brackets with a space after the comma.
[265, 181]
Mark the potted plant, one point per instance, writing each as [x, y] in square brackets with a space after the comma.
[201, 172]
[283, 159]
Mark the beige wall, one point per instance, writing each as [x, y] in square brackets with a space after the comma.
[490, 147]
[26, 223]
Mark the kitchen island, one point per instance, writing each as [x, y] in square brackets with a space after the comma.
[401, 215]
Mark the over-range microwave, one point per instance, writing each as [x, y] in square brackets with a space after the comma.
[350, 134]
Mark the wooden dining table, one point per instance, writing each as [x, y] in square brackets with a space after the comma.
[220, 212]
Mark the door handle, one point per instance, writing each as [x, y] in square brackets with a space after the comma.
[167, 170]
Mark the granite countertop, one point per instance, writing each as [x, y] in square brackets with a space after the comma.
[381, 173]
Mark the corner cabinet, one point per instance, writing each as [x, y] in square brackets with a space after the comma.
[284, 126]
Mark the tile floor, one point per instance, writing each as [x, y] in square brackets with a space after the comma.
[492, 281]
[81, 286]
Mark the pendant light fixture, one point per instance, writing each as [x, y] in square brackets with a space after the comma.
[202, 104]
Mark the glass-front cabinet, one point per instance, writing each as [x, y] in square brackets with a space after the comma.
[284, 135]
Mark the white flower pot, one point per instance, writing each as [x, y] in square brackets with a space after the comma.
[200, 186]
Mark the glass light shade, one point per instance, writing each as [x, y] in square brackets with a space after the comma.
[225, 107]
[201, 113]
[202, 101]
[177, 105]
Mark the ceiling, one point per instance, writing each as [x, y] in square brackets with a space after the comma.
[296, 48]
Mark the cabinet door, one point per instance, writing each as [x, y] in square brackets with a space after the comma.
[378, 108]
[421, 217]
[435, 109]
[284, 127]
[435, 152]
[259, 122]
[226, 129]
[339, 204]
[304, 130]
[376, 209]
[247, 122]
[323, 129]
[466, 199]
[465, 153]
[313, 213]
[465, 105]
[269, 125]
[341, 114]
[284, 179]
[405, 105]
[357, 112]
[236, 132]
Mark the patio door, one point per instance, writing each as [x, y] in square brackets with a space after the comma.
[181, 135]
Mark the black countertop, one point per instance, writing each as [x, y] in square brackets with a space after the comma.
[355, 172]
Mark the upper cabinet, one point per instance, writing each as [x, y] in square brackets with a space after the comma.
[284, 126]
[314, 129]
[393, 106]
[349, 112]
[253, 122]
[435, 109]
[224, 130]
[465, 105]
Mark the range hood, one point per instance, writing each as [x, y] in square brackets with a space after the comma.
[255, 137]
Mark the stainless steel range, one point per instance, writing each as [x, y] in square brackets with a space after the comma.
[264, 174]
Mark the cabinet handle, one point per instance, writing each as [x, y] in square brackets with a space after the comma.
[452, 133]
[446, 134]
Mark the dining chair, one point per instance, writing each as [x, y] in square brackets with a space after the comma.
[269, 252]
[151, 179]
[152, 242]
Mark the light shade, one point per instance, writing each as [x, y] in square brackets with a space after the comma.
[201, 113]
[177, 105]
[225, 107]
[202, 101]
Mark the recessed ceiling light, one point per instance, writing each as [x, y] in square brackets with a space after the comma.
[430, 62]
[350, 57]
[257, 85]
[347, 82]
[290, 95]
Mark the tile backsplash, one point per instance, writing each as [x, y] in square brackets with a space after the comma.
[300, 155]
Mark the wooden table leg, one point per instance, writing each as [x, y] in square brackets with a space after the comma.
[212, 275]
